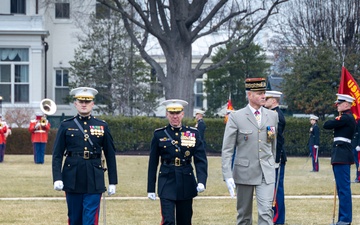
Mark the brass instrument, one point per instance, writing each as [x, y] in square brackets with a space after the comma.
[43, 121]
[48, 106]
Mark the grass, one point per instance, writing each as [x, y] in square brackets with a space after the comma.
[21, 178]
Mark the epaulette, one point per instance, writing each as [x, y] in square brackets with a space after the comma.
[194, 128]
[161, 128]
[68, 119]
[99, 119]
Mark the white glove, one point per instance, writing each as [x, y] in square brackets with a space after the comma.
[316, 146]
[58, 185]
[357, 148]
[231, 186]
[111, 189]
[152, 196]
[277, 165]
[200, 188]
[37, 125]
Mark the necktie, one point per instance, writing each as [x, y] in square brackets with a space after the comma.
[257, 116]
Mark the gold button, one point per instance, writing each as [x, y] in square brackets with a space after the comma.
[164, 146]
[85, 123]
[85, 131]
[176, 134]
[176, 150]
[85, 148]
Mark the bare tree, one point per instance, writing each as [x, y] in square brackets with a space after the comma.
[335, 22]
[176, 25]
[19, 116]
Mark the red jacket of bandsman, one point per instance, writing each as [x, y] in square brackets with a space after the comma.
[3, 130]
[39, 131]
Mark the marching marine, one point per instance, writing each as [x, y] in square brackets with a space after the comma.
[176, 147]
[82, 139]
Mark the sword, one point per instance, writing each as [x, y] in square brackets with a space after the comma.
[277, 185]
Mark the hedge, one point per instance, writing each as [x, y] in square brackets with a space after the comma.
[133, 135]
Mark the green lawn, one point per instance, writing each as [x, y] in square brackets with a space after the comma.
[21, 178]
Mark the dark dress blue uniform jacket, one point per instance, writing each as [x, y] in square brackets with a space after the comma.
[81, 175]
[177, 182]
[344, 126]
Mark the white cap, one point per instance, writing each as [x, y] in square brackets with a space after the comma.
[84, 93]
[199, 111]
[273, 94]
[174, 105]
[313, 117]
[344, 98]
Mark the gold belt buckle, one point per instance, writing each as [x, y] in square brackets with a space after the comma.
[177, 162]
[86, 155]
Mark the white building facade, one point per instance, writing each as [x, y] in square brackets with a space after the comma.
[37, 41]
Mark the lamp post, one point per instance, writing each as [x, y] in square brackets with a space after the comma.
[46, 47]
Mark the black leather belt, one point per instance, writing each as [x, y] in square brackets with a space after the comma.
[84, 154]
[176, 162]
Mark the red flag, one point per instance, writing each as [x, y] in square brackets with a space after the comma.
[229, 109]
[349, 86]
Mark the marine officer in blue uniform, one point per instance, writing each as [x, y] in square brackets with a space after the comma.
[342, 156]
[82, 139]
[176, 147]
[272, 102]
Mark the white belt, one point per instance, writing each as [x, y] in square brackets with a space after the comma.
[342, 139]
[39, 131]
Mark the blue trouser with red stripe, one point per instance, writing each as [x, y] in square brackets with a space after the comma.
[83, 209]
[315, 158]
[342, 179]
[279, 209]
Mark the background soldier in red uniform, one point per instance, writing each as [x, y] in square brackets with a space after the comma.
[39, 128]
[3, 132]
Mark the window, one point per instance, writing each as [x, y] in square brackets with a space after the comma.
[62, 9]
[14, 75]
[198, 89]
[17, 6]
[61, 86]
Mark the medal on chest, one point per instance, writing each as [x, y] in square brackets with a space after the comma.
[188, 139]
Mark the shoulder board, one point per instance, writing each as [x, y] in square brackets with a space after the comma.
[68, 119]
[99, 119]
[161, 128]
[193, 128]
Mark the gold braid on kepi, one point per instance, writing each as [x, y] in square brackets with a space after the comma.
[174, 105]
[84, 93]
[255, 84]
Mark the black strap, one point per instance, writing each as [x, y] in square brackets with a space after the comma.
[172, 140]
[86, 136]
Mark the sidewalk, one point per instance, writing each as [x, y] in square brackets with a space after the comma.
[145, 198]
